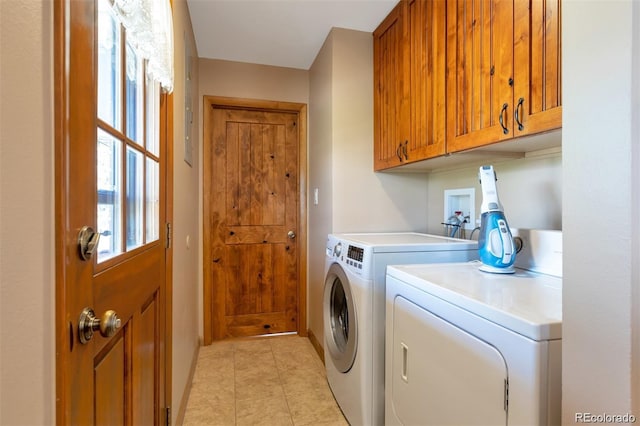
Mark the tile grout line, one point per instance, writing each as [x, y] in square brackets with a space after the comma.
[286, 399]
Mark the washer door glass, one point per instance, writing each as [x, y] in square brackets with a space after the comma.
[340, 323]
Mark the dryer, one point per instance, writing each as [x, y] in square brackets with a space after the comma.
[354, 310]
[466, 347]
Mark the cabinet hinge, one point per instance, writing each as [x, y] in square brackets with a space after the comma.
[506, 395]
[169, 236]
[167, 416]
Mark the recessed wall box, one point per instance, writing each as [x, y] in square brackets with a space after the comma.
[460, 202]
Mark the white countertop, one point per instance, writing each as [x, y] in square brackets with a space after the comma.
[525, 302]
[383, 242]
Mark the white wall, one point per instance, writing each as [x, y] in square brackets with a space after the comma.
[320, 216]
[352, 198]
[252, 81]
[530, 189]
[365, 201]
[186, 184]
[635, 217]
[27, 272]
[600, 207]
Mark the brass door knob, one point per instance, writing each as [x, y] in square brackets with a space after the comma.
[88, 323]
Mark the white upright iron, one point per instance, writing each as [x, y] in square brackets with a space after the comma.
[495, 244]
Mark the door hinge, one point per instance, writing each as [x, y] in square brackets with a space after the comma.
[168, 416]
[506, 395]
[169, 236]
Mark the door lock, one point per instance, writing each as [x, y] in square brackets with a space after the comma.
[87, 242]
[88, 323]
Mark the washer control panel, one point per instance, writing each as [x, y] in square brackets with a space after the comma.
[354, 257]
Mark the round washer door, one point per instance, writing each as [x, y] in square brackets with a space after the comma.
[340, 323]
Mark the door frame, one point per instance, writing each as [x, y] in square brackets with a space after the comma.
[209, 102]
[64, 330]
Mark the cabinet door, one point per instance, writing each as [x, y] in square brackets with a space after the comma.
[391, 90]
[427, 43]
[479, 72]
[538, 91]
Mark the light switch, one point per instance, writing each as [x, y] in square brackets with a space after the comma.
[315, 196]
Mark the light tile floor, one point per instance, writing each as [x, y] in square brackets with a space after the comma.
[271, 381]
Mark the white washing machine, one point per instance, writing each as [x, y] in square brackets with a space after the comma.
[354, 310]
[466, 347]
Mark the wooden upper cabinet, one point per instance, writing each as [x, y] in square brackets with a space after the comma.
[479, 72]
[410, 84]
[503, 70]
[538, 70]
[391, 89]
[452, 75]
[427, 42]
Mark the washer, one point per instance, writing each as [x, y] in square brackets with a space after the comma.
[354, 310]
[468, 347]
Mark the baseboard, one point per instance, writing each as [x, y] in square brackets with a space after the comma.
[316, 344]
[187, 391]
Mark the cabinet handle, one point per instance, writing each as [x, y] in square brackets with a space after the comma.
[517, 115]
[501, 118]
[399, 151]
[404, 150]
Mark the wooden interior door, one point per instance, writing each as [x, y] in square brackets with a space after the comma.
[479, 72]
[252, 205]
[111, 172]
[538, 66]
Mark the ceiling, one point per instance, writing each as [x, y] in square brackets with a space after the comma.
[284, 33]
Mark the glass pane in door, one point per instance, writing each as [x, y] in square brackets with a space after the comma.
[109, 66]
[153, 200]
[153, 113]
[128, 141]
[109, 184]
[134, 96]
[135, 197]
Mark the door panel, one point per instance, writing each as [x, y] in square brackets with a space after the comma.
[258, 269]
[110, 372]
[144, 365]
[253, 205]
